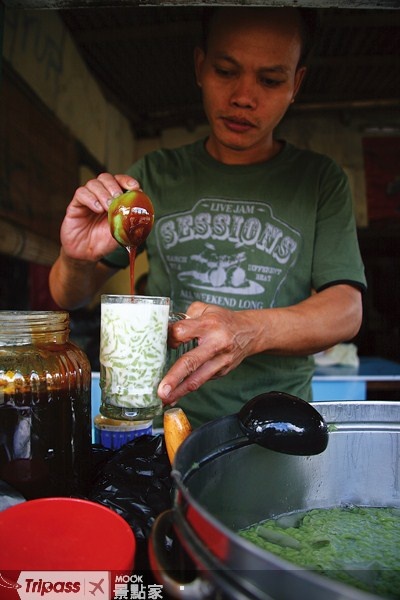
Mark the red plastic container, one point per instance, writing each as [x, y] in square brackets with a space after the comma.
[63, 534]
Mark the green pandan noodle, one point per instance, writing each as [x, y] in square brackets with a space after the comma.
[359, 546]
[133, 349]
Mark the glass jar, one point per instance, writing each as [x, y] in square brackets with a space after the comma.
[45, 413]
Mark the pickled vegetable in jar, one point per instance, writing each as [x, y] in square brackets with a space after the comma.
[45, 412]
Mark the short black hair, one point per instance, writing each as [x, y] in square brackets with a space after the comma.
[309, 25]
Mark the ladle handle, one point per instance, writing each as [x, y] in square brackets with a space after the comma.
[163, 564]
[176, 430]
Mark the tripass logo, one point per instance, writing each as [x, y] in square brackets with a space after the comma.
[8, 584]
[59, 585]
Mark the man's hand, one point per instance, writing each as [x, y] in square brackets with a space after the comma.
[85, 238]
[226, 338]
[85, 232]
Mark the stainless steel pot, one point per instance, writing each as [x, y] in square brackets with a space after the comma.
[222, 486]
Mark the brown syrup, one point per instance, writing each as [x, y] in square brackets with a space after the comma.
[131, 218]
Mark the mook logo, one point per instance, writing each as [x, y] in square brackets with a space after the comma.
[60, 585]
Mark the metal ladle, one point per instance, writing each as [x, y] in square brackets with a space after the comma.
[284, 423]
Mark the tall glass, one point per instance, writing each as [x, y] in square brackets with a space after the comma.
[133, 355]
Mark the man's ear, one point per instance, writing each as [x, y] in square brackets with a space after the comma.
[298, 80]
[199, 56]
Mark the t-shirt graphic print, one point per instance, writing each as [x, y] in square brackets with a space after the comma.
[231, 253]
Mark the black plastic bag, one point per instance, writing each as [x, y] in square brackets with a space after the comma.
[134, 481]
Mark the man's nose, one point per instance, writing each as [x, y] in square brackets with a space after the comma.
[244, 93]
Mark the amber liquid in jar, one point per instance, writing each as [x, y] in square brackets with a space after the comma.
[45, 412]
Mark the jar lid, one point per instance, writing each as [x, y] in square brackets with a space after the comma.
[27, 327]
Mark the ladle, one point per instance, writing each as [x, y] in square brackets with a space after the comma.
[131, 218]
[284, 423]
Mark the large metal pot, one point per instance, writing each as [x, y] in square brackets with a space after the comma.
[222, 486]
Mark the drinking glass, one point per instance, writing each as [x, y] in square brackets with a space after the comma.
[133, 354]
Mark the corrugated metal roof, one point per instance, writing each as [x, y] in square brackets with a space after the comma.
[143, 58]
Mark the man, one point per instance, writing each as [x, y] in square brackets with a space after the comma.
[253, 238]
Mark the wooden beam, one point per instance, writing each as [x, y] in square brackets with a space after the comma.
[353, 60]
[345, 105]
[160, 31]
[62, 4]
[360, 19]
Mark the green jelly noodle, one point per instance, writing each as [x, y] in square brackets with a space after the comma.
[133, 351]
[359, 546]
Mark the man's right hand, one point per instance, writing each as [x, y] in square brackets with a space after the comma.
[77, 273]
[85, 232]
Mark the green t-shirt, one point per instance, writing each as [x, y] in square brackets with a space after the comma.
[246, 237]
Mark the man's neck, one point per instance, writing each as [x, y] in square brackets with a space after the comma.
[250, 156]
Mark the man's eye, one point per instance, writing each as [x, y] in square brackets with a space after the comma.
[223, 72]
[267, 82]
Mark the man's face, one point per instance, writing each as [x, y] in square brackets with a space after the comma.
[248, 77]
